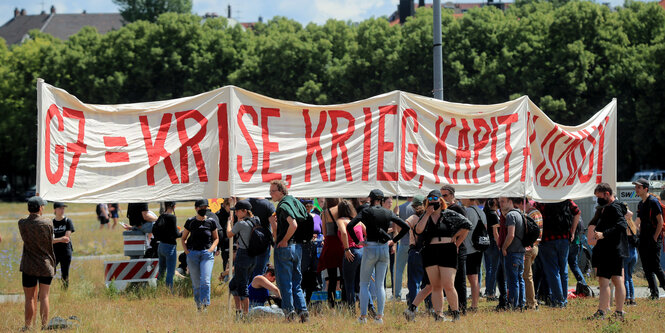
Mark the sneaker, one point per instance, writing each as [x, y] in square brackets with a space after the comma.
[238, 316]
[654, 297]
[304, 317]
[372, 312]
[619, 315]
[472, 310]
[455, 316]
[378, 321]
[600, 314]
[632, 302]
[291, 316]
[409, 315]
[501, 307]
[362, 320]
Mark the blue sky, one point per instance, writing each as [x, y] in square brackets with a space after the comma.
[303, 11]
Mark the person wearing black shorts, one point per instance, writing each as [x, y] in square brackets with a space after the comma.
[62, 246]
[444, 233]
[608, 235]
[37, 261]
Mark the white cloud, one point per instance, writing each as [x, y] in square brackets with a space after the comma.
[348, 9]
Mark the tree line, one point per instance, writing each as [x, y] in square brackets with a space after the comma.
[571, 59]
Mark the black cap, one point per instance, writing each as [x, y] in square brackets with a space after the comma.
[376, 194]
[243, 204]
[642, 182]
[434, 193]
[58, 205]
[201, 203]
[36, 202]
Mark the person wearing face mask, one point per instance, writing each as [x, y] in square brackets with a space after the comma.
[608, 235]
[444, 233]
[448, 195]
[199, 239]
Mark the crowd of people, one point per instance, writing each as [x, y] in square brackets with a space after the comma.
[350, 245]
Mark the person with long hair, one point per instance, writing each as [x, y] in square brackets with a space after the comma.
[199, 239]
[444, 232]
[631, 260]
[375, 250]
[333, 251]
[353, 252]
[166, 232]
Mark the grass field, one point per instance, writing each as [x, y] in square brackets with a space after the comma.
[156, 310]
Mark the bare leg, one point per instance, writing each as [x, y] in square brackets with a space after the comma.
[475, 289]
[422, 294]
[448, 280]
[30, 305]
[237, 302]
[619, 292]
[245, 305]
[44, 302]
[437, 288]
[604, 296]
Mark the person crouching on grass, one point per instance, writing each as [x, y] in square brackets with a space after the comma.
[244, 263]
[608, 236]
[199, 239]
[37, 261]
[444, 232]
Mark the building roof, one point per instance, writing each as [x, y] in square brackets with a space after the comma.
[458, 8]
[662, 3]
[58, 25]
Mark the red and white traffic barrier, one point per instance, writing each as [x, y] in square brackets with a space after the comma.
[136, 270]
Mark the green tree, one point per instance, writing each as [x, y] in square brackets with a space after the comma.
[149, 10]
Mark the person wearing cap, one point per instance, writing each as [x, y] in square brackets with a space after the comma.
[37, 261]
[63, 227]
[376, 255]
[166, 232]
[448, 195]
[244, 263]
[288, 254]
[443, 235]
[199, 239]
[650, 223]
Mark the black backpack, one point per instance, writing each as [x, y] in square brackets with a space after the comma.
[531, 230]
[557, 217]
[305, 229]
[480, 238]
[259, 239]
[157, 228]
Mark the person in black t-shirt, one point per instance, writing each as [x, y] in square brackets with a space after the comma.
[376, 255]
[262, 209]
[650, 223]
[140, 217]
[166, 231]
[448, 194]
[62, 246]
[200, 240]
[608, 235]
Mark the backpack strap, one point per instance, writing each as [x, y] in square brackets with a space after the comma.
[240, 235]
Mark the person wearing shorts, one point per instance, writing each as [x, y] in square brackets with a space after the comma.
[444, 233]
[114, 212]
[608, 235]
[37, 261]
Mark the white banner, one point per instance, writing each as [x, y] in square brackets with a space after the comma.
[233, 142]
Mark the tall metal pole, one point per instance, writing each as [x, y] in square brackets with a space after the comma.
[438, 58]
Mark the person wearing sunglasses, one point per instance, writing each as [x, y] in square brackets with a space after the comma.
[444, 232]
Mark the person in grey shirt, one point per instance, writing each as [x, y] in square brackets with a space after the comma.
[513, 251]
[402, 254]
[244, 263]
[474, 257]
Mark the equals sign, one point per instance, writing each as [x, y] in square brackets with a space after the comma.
[115, 156]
